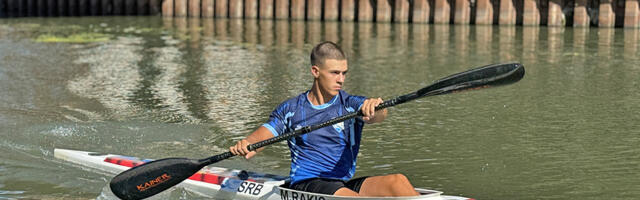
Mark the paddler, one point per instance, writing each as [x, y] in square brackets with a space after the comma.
[324, 161]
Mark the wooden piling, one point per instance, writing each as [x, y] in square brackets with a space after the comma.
[118, 7]
[462, 12]
[82, 8]
[556, 17]
[3, 9]
[41, 9]
[606, 16]
[22, 8]
[331, 10]
[314, 10]
[282, 9]
[631, 14]
[250, 9]
[154, 7]
[180, 8]
[265, 9]
[421, 11]
[383, 11]
[167, 8]
[297, 9]
[130, 7]
[143, 7]
[347, 10]
[105, 8]
[610, 12]
[62, 7]
[531, 15]
[484, 12]
[19, 8]
[10, 8]
[401, 11]
[365, 11]
[51, 8]
[194, 8]
[580, 16]
[31, 8]
[441, 15]
[221, 9]
[235, 9]
[507, 14]
[207, 9]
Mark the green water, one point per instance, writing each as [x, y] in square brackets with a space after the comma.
[190, 88]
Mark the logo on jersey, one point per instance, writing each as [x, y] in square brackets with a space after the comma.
[339, 127]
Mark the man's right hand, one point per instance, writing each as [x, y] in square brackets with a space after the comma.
[240, 149]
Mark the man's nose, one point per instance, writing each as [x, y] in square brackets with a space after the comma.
[341, 78]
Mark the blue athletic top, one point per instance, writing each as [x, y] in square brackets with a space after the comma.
[329, 152]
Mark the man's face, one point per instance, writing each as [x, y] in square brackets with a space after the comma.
[331, 74]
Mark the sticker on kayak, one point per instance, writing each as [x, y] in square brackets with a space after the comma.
[207, 175]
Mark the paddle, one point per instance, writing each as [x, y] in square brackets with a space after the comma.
[156, 176]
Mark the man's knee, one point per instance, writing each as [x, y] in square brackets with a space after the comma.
[397, 178]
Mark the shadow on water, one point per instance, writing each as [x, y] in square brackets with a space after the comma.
[188, 87]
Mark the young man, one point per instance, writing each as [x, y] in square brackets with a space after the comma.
[324, 160]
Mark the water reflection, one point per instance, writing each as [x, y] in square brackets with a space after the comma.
[555, 46]
[233, 49]
[631, 43]
[112, 76]
[530, 37]
[605, 41]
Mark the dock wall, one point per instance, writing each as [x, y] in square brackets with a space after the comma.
[576, 13]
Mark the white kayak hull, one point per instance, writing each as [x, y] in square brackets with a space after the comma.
[222, 183]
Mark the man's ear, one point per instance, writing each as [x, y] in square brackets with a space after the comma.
[315, 71]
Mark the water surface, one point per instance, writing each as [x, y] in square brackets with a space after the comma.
[187, 87]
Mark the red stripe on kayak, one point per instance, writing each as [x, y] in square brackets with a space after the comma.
[123, 162]
[207, 178]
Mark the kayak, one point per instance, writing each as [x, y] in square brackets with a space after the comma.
[223, 183]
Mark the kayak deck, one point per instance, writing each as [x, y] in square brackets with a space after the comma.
[222, 183]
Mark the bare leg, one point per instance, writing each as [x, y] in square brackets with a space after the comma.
[386, 186]
[345, 192]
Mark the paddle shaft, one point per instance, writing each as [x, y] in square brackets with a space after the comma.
[307, 129]
[491, 75]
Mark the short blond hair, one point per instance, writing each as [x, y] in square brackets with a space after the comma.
[326, 50]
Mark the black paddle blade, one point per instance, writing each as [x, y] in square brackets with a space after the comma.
[482, 77]
[154, 177]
